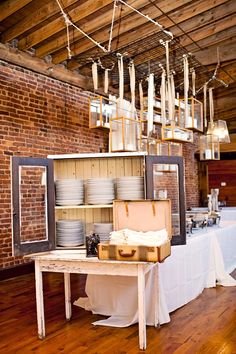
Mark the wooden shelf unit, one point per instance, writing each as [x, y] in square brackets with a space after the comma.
[84, 166]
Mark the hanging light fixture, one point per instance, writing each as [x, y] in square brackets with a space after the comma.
[209, 147]
[175, 130]
[219, 127]
[209, 143]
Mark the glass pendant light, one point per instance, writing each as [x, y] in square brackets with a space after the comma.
[209, 147]
[219, 128]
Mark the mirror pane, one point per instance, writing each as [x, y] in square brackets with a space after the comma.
[166, 186]
[33, 204]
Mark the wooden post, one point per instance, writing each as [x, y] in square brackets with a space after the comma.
[141, 308]
[67, 295]
[156, 295]
[39, 300]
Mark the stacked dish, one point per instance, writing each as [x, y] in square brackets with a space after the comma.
[69, 192]
[70, 233]
[100, 191]
[103, 230]
[131, 188]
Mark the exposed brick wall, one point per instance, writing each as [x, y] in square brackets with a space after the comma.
[33, 204]
[41, 116]
[38, 116]
[191, 173]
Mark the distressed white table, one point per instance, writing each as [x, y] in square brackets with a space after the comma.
[65, 261]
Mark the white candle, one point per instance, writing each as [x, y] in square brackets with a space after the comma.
[189, 122]
[177, 135]
[208, 153]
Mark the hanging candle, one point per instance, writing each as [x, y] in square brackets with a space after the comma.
[150, 102]
[163, 96]
[132, 86]
[95, 75]
[205, 104]
[194, 82]
[172, 96]
[121, 83]
[186, 88]
[141, 95]
[106, 81]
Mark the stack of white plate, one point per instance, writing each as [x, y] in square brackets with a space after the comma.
[69, 192]
[131, 188]
[70, 233]
[103, 230]
[100, 191]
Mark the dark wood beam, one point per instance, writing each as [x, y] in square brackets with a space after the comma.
[8, 7]
[38, 65]
[55, 26]
[227, 52]
[209, 30]
[198, 21]
[41, 14]
[213, 39]
[98, 22]
[132, 32]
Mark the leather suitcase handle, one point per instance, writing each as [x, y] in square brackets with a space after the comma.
[126, 254]
[127, 209]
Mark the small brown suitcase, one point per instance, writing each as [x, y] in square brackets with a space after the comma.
[141, 215]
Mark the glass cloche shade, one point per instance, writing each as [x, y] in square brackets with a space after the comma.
[219, 128]
[209, 147]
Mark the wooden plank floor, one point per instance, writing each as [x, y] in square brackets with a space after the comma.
[206, 325]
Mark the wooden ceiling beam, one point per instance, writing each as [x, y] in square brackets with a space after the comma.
[41, 14]
[228, 115]
[197, 21]
[214, 39]
[25, 60]
[8, 7]
[222, 92]
[223, 103]
[209, 30]
[85, 9]
[227, 52]
[99, 22]
[211, 13]
[133, 21]
[227, 73]
[131, 32]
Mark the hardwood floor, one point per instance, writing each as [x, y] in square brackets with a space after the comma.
[206, 325]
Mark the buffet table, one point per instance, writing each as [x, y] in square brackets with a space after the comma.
[203, 262]
[228, 214]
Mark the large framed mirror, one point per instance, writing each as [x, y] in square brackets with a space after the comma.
[165, 180]
[32, 205]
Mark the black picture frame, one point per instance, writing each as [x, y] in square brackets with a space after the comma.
[20, 248]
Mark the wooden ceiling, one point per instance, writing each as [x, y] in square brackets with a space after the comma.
[198, 26]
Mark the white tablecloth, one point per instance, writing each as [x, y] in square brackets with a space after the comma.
[228, 214]
[182, 277]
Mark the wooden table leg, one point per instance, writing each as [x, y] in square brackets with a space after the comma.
[141, 308]
[39, 300]
[67, 295]
[156, 296]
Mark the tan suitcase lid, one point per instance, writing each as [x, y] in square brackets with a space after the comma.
[142, 215]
